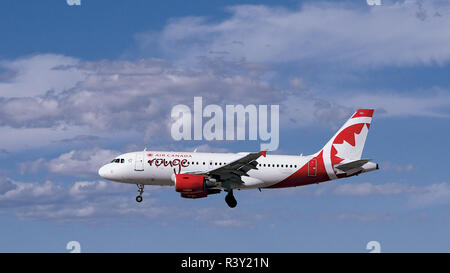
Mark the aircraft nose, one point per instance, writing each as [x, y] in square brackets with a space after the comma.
[108, 172]
[102, 172]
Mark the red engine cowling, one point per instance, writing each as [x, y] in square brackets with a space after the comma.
[191, 185]
[194, 195]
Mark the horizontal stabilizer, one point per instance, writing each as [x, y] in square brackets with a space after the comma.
[355, 166]
[352, 165]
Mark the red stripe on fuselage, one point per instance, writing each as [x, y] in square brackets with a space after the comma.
[301, 177]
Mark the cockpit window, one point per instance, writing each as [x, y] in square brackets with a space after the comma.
[118, 160]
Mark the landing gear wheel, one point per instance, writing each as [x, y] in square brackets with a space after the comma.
[231, 201]
[140, 190]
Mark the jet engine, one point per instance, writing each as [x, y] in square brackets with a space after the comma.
[195, 185]
[191, 185]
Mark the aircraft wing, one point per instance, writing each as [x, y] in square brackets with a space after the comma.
[232, 172]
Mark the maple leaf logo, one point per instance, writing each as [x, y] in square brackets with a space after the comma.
[347, 150]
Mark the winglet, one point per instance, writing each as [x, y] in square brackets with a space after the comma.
[263, 153]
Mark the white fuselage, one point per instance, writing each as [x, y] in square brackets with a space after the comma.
[159, 168]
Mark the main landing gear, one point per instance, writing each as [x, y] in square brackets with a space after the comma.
[141, 191]
[231, 201]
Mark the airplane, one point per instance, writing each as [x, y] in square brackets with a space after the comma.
[197, 175]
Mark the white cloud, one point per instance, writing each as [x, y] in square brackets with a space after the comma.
[432, 195]
[333, 109]
[84, 162]
[122, 95]
[389, 166]
[21, 193]
[365, 189]
[36, 75]
[303, 110]
[82, 188]
[418, 196]
[15, 139]
[78, 163]
[430, 105]
[128, 97]
[391, 34]
[99, 202]
[80, 201]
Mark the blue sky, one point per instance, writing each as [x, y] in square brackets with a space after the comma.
[82, 84]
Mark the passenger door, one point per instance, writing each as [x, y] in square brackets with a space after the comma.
[139, 162]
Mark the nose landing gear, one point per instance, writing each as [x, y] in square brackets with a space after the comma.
[140, 190]
[229, 198]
